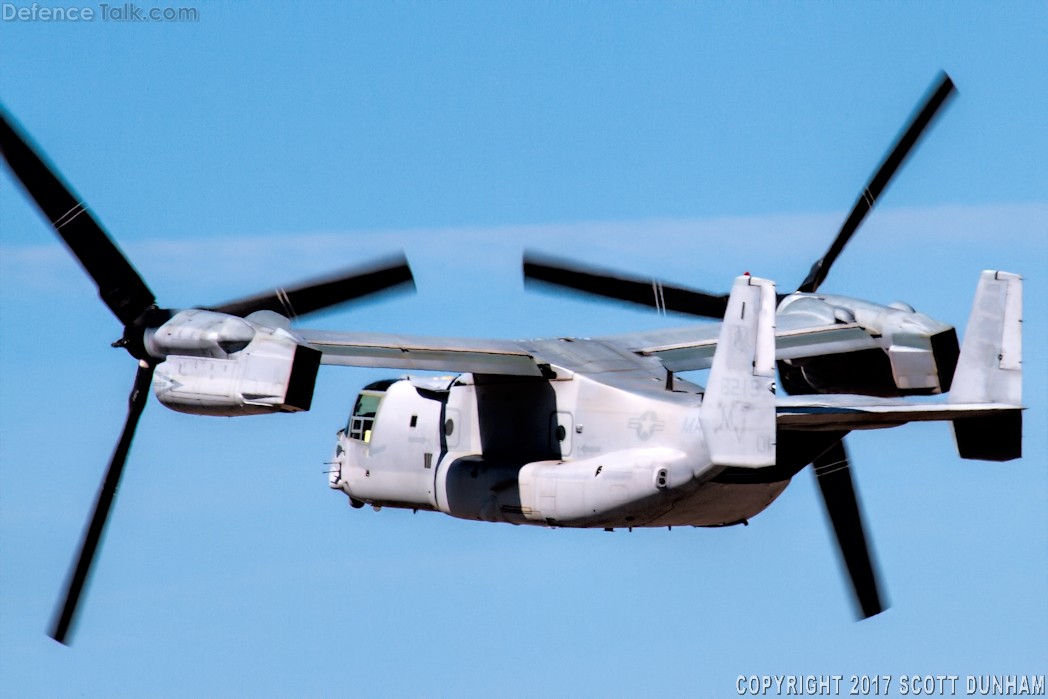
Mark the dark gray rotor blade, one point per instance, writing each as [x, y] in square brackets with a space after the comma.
[936, 98]
[842, 505]
[652, 293]
[119, 285]
[66, 615]
[317, 294]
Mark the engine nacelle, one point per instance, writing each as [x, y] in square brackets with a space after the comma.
[217, 364]
[917, 355]
[597, 489]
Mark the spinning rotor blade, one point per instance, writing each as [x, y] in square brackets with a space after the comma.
[921, 120]
[119, 285]
[318, 294]
[652, 293]
[842, 505]
[563, 274]
[131, 301]
[78, 577]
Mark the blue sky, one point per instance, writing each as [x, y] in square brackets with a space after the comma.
[264, 144]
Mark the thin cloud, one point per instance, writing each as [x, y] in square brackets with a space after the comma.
[672, 248]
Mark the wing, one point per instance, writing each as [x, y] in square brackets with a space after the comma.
[423, 353]
[691, 348]
[678, 349]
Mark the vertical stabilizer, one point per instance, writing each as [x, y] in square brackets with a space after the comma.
[738, 410]
[989, 370]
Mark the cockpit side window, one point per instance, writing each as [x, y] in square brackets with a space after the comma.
[362, 419]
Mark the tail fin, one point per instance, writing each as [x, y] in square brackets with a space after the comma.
[989, 370]
[738, 410]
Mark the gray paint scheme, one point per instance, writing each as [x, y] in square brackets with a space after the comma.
[644, 451]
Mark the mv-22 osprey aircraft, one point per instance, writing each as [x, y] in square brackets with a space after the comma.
[572, 432]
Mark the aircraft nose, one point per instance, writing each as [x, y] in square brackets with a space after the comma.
[337, 463]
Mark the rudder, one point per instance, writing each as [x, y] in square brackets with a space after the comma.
[738, 409]
[989, 370]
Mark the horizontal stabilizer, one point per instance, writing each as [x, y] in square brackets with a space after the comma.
[842, 412]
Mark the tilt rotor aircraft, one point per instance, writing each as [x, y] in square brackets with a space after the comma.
[571, 432]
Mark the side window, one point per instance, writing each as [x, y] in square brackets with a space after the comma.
[363, 418]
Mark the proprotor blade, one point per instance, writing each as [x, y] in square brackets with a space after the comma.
[119, 285]
[936, 98]
[564, 274]
[317, 294]
[842, 505]
[66, 614]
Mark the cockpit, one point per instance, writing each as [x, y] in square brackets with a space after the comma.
[362, 419]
